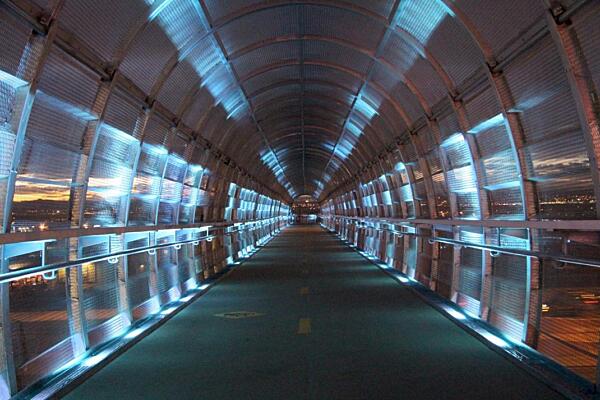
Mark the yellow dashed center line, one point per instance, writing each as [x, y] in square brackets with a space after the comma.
[304, 326]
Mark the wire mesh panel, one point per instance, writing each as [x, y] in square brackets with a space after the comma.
[469, 283]
[509, 295]
[202, 59]
[586, 28]
[48, 179]
[443, 35]
[445, 270]
[172, 186]
[570, 316]
[440, 190]
[173, 27]
[13, 92]
[90, 20]
[521, 14]
[110, 179]
[168, 275]
[410, 256]
[189, 195]
[558, 161]
[462, 180]
[15, 34]
[101, 301]
[423, 272]
[497, 157]
[42, 338]
[141, 285]
[146, 186]
[186, 266]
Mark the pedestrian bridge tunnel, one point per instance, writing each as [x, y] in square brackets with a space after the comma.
[148, 147]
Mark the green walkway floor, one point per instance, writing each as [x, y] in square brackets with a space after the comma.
[332, 326]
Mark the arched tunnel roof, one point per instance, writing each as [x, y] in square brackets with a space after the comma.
[306, 95]
[315, 97]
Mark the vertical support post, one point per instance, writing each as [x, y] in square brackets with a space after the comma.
[153, 268]
[117, 244]
[75, 310]
[456, 261]
[487, 276]
[122, 293]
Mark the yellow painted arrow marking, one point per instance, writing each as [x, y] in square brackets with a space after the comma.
[304, 326]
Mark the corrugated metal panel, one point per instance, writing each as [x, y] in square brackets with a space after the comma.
[182, 81]
[448, 125]
[427, 81]
[509, 279]
[14, 35]
[203, 101]
[100, 292]
[557, 155]
[122, 112]
[89, 19]
[470, 272]
[455, 50]
[69, 80]
[348, 25]
[152, 48]
[40, 330]
[521, 14]
[585, 24]
[398, 90]
[278, 52]
[336, 54]
[382, 7]
[279, 21]
[319, 72]
[279, 75]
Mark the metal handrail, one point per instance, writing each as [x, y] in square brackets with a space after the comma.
[18, 237]
[25, 272]
[590, 225]
[491, 248]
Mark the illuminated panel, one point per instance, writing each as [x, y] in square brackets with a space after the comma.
[462, 180]
[405, 190]
[189, 195]
[171, 189]
[110, 178]
[422, 17]
[232, 202]
[146, 185]
[43, 190]
[498, 162]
